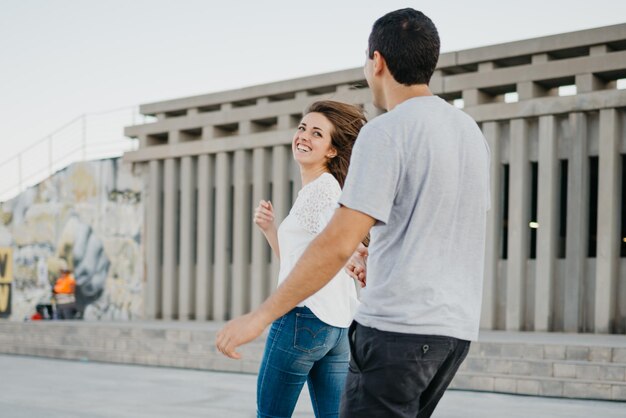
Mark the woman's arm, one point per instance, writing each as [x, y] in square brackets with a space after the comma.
[271, 235]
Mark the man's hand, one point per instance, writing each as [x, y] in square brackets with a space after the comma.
[357, 265]
[239, 331]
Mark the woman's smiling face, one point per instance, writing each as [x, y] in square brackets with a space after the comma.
[312, 144]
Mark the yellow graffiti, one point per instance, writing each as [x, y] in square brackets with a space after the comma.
[5, 292]
[6, 265]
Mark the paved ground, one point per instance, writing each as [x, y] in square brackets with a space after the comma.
[35, 387]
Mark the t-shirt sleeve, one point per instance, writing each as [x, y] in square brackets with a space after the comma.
[374, 174]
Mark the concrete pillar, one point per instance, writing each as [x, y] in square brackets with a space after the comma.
[284, 122]
[540, 59]
[153, 240]
[245, 127]
[586, 83]
[222, 248]
[143, 141]
[280, 164]
[259, 283]
[519, 207]
[491, 130]
[577, 223]
[486, 66]
[547, 212]
[475, 97]
[609, 193]
[241, 234]
[529, 90]
[170, 239]
[204, 242]
[186, 283]
[208, 133]
[174, 137]
[598, 50]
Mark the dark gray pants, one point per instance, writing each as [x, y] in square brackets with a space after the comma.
[66, 310]
[398, 375]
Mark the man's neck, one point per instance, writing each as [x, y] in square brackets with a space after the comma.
[397, 93]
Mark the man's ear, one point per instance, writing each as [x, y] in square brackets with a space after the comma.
[379, 63]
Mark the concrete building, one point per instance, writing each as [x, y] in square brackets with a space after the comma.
[552, 110]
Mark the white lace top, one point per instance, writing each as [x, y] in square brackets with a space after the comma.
[335, 303]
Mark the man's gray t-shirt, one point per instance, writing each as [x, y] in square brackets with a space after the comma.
[422, 171]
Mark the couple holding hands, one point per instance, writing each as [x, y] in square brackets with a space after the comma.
[415, 180]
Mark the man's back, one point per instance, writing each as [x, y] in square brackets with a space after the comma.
[421, 170]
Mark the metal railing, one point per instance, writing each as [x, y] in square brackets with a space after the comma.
[90, 136]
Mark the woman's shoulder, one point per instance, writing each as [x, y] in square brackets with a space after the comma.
[325, 185]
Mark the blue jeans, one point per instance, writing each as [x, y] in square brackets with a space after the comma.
[301, 348]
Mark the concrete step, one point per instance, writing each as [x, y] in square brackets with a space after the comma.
[565, 365]
[206, 360]
[540, 386]
[595, 371]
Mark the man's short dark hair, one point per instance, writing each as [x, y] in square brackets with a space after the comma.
[409, 42]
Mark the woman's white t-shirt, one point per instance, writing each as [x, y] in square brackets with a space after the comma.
[335, 303]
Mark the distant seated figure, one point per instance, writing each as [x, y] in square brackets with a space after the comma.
[64, 293]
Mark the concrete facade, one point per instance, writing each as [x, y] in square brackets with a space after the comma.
[555, 251]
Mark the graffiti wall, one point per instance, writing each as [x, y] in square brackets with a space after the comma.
[90, 217]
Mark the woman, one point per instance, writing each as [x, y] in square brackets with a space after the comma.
[309, 343]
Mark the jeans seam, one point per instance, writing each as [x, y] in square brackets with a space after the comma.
[271, 350]
[316, 406]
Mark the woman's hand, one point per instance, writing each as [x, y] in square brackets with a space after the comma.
[264, 216]
[357, 265]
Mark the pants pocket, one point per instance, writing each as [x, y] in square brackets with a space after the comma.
[311, 334]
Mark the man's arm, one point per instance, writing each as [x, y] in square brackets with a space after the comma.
[321, 261]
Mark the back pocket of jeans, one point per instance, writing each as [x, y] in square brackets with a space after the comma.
[311, 333]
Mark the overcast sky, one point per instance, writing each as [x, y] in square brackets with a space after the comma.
[63, 58]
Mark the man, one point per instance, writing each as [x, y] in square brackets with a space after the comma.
[418, 178]
[64, 292]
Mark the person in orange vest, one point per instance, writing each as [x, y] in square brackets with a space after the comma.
[64, 293]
